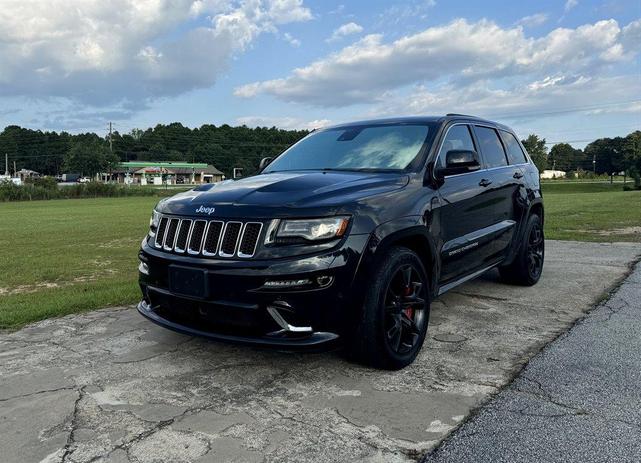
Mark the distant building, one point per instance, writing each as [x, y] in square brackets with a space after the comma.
[157, 173]
[24, 174]
[553, 174]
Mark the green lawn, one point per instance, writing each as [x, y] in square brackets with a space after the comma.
[592, 212]
[65, 256]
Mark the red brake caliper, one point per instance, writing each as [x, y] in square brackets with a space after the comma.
[409, 311]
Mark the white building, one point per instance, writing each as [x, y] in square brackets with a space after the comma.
[553, 174]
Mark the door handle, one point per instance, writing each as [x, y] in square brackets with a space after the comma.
[485, 182]
[518, 174]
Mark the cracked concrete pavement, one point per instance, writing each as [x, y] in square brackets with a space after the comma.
[110, 386]
[579, 400]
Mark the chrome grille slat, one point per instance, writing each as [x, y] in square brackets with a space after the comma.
[229, 241]
[207, 238]
[212, 237]
[182, 236]
[249, 239]
[160, 233]
[196, 237]
[170, 236]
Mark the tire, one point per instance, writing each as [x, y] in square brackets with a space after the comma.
[395, 314]
[527, 266]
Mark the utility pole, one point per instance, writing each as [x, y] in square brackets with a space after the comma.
[15, 171]
[111, 148]
[594, 163]
[6, 164]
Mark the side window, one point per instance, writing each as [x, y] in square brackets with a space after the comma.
[514, 152]
[491, 147]
[458, 138]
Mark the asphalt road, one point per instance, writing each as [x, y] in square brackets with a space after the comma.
[579, 400]
[110, 386]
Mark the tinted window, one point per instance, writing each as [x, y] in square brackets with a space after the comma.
[457, 138]
[359, 147]
[514, 152]
[491, 147]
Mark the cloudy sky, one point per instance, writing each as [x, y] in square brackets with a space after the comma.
[569, 70]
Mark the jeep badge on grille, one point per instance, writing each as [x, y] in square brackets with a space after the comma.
[205, 210]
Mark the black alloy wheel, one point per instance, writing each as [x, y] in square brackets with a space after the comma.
[393, 320]
[535, 249]
[527, 266]
[404, 309]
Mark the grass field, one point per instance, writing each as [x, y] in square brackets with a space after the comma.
[591, 212]
[65, 256]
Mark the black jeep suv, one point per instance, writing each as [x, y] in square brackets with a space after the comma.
[347, 235]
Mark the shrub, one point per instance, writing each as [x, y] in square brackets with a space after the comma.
[32, 191]
[45, 182]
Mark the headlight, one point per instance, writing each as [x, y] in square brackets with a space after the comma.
[308, 229]
[153, 223]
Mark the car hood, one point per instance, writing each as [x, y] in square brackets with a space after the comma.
[285, 189]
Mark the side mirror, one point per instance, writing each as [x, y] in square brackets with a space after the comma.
[459, 162]
[264, 163]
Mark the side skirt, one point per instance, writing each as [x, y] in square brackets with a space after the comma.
[445, 288]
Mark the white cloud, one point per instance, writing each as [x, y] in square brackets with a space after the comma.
[287, 123]
[533, 20]
[553, 94]
[345, 30]
[569, 4]
[293, 41]
[104, 52]
[406, 10]
[460, 53]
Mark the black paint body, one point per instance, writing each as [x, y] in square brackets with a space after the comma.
[460, 226]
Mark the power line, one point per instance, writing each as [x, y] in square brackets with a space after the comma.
[565, 111]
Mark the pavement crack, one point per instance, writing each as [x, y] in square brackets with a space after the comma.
[481, 296]
[70, 445]
[22, 396]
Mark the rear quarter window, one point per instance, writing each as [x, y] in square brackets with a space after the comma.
[515, 153]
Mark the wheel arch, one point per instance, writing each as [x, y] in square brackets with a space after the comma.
[537, 208]
[415, 237]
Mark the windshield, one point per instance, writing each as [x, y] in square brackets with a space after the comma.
[382, 147]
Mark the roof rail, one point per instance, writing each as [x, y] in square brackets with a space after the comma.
[463, 115]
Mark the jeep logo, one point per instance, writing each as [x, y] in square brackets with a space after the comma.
[205, 210]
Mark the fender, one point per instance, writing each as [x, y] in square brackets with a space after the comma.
[533, 200]
[410, 231]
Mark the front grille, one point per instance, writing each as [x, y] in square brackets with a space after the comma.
[208, 238]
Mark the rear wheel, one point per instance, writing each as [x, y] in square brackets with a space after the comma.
[395, 314]
[528, 264]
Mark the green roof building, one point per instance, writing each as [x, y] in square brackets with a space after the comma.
[171, 172]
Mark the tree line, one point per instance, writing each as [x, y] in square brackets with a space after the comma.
[226, 147]
[604, 156]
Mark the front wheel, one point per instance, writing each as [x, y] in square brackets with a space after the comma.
[528, 264]
[395, 313]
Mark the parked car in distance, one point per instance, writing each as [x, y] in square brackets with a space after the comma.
[83, 180]
[346, 237]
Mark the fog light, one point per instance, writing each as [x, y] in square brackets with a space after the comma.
[143, 268]
[277, 284]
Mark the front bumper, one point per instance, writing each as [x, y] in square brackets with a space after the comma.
[237, 305]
